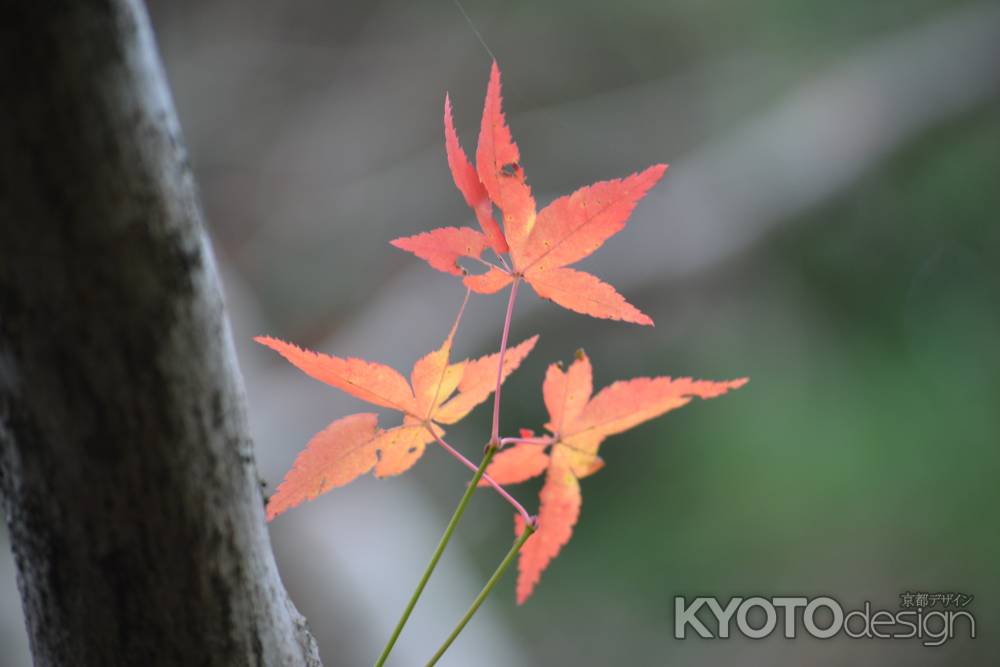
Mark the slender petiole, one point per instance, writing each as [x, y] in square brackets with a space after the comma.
[491, 448]
[529, 528]
[455, 518]
[495, 433]
[503, 261]
[487, 263]
[526, 441]
[518, 507]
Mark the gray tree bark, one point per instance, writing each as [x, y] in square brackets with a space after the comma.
[126, 470]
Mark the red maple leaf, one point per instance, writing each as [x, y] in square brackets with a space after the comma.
[578, 424]
[541, 245]
[438, 392]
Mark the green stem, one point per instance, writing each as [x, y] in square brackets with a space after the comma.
[491, 449]
[508, 559]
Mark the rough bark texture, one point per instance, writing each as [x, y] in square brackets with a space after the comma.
[126, 470]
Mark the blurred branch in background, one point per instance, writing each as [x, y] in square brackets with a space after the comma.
[127, 471]
[817, 142]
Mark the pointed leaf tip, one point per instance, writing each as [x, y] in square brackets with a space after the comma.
[337, 455]
[372, 382]
[442, 247]
[479, 381]
[558, 512]
[498, 165]
[433, 378]
[467, 181]
[586, 294]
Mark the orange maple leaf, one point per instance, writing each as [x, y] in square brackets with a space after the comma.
[540, 245]
[579, 424]
[439, 392]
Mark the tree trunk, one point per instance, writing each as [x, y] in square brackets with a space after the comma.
[126, 470]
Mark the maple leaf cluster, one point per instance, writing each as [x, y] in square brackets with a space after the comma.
[542, 244]
[535, 247]
[439, 392]
[578, 424]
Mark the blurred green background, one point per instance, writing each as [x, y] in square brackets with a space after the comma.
[828, 227]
